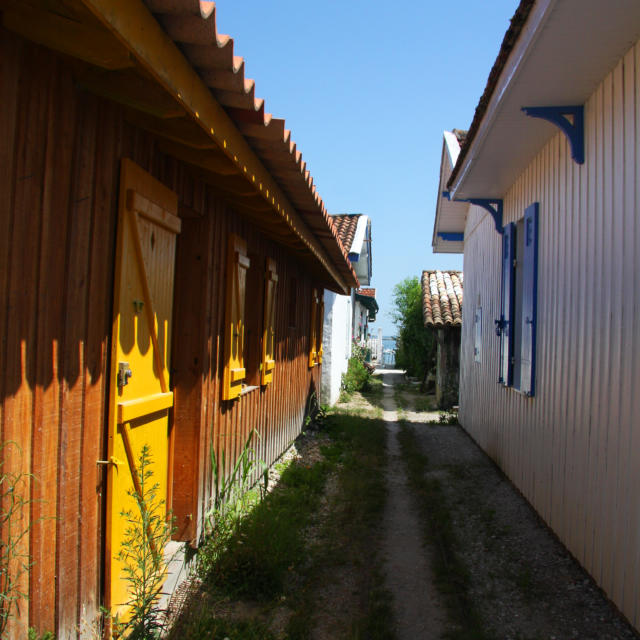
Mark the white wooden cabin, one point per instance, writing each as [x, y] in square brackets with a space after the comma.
[548, 178]
[340, 324]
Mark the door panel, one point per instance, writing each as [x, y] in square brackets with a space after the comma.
[140, 397]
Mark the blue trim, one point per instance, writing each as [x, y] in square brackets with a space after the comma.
[354, 257]
[529, 300]
[573, 130]
[493, 206]
[451, 236]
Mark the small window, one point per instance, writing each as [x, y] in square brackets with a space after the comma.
[269, 323]
[253, 322]
[517, 323]
[315, 329]
[237, 266]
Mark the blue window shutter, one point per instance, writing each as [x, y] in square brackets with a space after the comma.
[529, 300]
[506, 311]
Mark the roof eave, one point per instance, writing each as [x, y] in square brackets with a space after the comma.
[562, 50]
[450, 219]
[154, 51]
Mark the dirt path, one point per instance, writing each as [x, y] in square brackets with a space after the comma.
[418, 611]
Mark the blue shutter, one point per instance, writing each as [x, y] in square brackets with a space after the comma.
[529, 299]
[506, 311]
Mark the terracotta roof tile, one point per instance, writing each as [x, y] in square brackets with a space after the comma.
[345, 225]
[191, 24]
[369, 293]
[442, 298]
[461, 135]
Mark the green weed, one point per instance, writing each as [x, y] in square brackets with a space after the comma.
[142, 554]
[424, 403]
[15, 526]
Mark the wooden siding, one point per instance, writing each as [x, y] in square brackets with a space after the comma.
[60, 153]
[574, 449]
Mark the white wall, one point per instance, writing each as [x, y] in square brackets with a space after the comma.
[336, 341]
[573, 449]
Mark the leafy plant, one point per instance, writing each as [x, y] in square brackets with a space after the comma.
[15, 526]
[448, 417]
[142, 554]
[416, 345]
[357, 375]
[315, 413]
[230, 491]
[47, 635]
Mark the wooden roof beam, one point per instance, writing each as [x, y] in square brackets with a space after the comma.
[132, 23]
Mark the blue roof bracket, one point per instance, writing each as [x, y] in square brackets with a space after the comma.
[450, 236]
[492, 205]
[570, 120]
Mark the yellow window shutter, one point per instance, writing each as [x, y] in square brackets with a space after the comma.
[319, 348]
[237, 266]
[269, 327]
[313, 329]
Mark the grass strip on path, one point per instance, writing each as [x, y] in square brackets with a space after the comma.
[452, 578]
[277, 561]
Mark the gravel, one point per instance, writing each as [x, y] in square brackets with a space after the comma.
[525, 584]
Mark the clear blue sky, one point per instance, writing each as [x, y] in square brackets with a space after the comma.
[367, 88]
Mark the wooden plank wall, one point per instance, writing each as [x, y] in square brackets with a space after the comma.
[202, 418]
[574, 449]
[60, 152]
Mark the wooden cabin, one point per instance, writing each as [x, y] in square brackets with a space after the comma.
[163, 256]
[543, 198]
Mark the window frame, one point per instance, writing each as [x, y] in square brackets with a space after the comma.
[517, 326]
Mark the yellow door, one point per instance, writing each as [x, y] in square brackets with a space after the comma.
[140, 358]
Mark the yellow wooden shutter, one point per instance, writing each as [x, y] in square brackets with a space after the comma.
[313, 330]
[237, 266]
[269, 328]
[320, 324]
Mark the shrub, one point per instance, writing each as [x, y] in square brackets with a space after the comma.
[357, 375]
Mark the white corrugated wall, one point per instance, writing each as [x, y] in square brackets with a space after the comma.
[574, 449]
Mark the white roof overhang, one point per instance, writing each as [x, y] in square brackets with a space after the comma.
[451, 217]
[360, 251]
[562, 54]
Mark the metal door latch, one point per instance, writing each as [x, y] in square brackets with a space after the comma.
[112, 460]
[124, 373]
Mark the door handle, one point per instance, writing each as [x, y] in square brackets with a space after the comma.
[112, 460]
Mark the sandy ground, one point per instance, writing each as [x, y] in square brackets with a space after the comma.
[417, 607]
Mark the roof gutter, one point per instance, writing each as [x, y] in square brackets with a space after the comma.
[531, 17]
[133, 24]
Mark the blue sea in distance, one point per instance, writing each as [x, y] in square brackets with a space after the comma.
[388, 351]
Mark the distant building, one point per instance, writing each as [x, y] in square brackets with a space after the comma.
[346, 316]
[442, 313]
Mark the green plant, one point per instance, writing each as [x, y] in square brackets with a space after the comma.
[142, 554]
[315, 413]
[448, 417]
[15, 526]
[415, 344]
[231, 491]
[47, 635]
